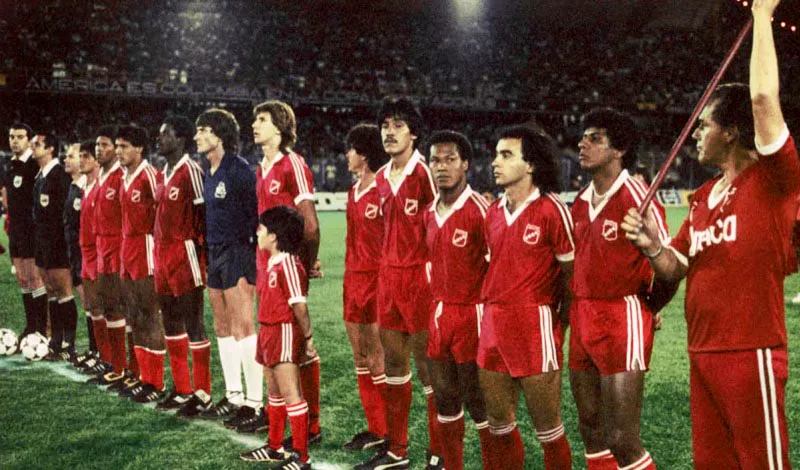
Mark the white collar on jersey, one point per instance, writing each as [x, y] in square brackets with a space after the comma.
[25, 156]
[277, 259]
[462, 199]
[102, 176]
[80, 182]
[510, 218]
[265, 168]
[358, 195]
[50, 165]
[416, 157]
[129, 179]
[182, 161]
[591, 191]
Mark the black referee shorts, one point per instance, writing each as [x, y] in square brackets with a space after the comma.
[75, 263]
[21, 242]
[227, 263]
[51, 253]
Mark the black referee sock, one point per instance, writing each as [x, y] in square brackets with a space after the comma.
[56, 324]
[90, 333]
[30, 322]
[69, 312]
[39, 311]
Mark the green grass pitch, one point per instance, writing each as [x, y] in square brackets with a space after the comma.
[49, 420]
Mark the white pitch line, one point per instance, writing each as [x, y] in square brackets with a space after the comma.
[17, 362]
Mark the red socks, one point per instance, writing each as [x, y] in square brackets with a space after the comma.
[309, 384]
[151, 364]
[603, 460]
[372, 400]
[101, 338]
[178, 347]
[141, 358]
[485, 436]
[201, 365]
[556, 449]
[276, 412]
[398, 404]
[451, 432]
[434, 440]
[116, 338]
[298, 420]
[507, 451]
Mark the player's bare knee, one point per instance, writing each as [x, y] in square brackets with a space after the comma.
[624, 445]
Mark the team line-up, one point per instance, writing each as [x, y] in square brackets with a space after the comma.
[479, 294]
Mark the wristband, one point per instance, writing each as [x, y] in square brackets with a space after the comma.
[655, 255]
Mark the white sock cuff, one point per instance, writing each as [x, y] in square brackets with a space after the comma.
[116, 323]
[482, 425]
[503, 430]
[66, 299]
[128, 329]
[177, 337]
[597, 455]
[450, 419]
[362, 370]
[379, 379]
[39, 292]
[551, 435]
[200, 344]
[276, 401]
[25, 290]
[428, 390]
[298, 409]
[640, 464]
[52, 299]
[98, 317]
[398, 380]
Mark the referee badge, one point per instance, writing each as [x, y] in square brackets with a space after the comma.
[371, 211]
[76, 204]
[532, 234]
[136, 195]
[44, 200]
[220, 192]
[273, 279]
[460, 238]
[274, 187]
[412, 206]
[18, 181]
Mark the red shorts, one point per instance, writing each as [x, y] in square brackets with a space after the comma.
[279, 343]
[136, 256]
[737, 401]
[108, 251]
[404, 299]
[360, 296]
[454, 332]
[89, 262]
[520, 340]
[178, 268]
[610, 335]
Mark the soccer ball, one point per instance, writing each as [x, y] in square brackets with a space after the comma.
[8, 342]
[34, 347]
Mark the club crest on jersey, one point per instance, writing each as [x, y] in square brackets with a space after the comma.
[44, 200]
[136, 195]
[371, 211]
[532, 234]
[610, 230]
[220, 191]
[76, 204]
[460, 238]
[274, 187]
[18, 181]
[110, 193]
[412, 207]
[174, 193]
[273, 279]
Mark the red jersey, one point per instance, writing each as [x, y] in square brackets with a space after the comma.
[734, 244]
[87, 234]
[457, 249]
[607, 265]
[286, 181]
[403, 205]
[526, 248]
[364, 238]
[286, 281]
[138, 200]
[107, 208]
[179, 215]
